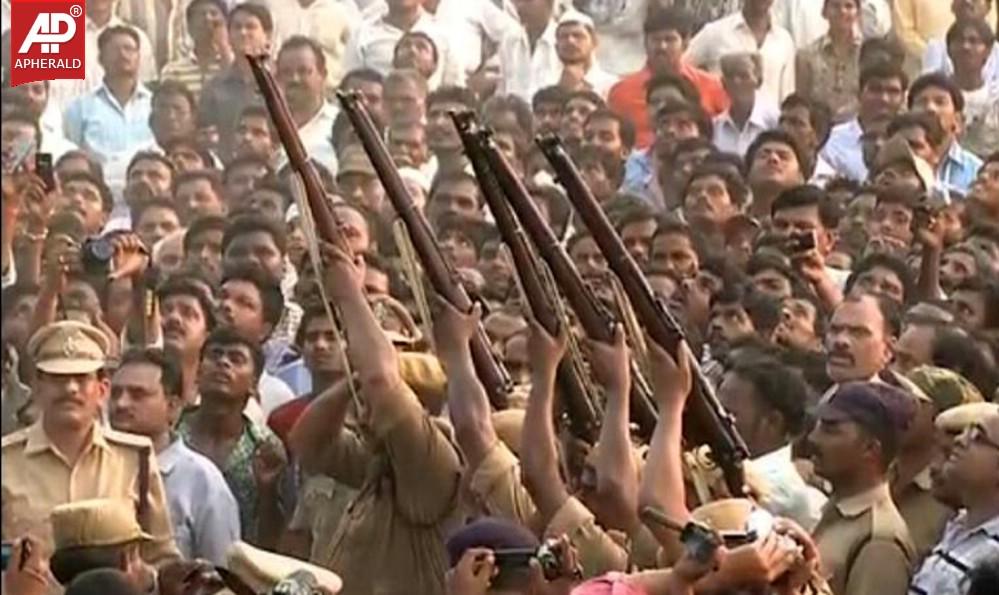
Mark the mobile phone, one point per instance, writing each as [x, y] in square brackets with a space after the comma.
[799, 243]
[6, 551]
[43, 169]
[514, 558]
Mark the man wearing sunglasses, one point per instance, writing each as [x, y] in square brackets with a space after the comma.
[972, 537]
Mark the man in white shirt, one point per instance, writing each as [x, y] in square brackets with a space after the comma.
[750, 113]
[328, 22]
[768, 401]
[301, 72]
[575, 44]
[750, 30]
[372, 45]
[99, 18]
[528, 58]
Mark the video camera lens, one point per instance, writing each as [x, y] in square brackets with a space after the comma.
[96, 254]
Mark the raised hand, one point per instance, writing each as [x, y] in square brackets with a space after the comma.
[452, 329]
[131, 258]
[611, 362]
[473, 573]
[543, 350]
[671, 379]
[344, 274]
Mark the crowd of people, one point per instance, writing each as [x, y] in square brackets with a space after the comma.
[203, 394]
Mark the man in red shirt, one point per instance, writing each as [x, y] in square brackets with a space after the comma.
[667, 32]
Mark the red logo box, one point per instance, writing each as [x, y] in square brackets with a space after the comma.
[47, 40]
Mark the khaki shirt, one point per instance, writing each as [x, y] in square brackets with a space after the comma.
[322, 502]
[495, 489]
[865, 545]
[37, 478]
[924, 515]
[599, 550]
[391, 539]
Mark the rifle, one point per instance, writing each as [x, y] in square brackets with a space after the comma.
[490, 371]
[707, 420]
[594, 319]
[327, 226]
[580, 410]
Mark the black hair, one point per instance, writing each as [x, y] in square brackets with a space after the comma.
[261, 13]
[681, 84]
[191, 285]
[259, 111]
[888, 45]
[775, 135]
[170, 373]
[107, 200]
[190, 142]
[738, 191]
[444, 177]
[25, 117]
[807, 195]
[68, 563]
[102, 581]
[955, 350]
[174, 87]
[297, 42]
[271, 298]
[453, 94]
[625, 127]
[157, 202]
[510, 103]
[883, 71]
[150, 156]
[96, 169]
[669, 19]
[694, 110]
[189, 11]
[227, 336]
[105, 37]
[763, 310]
[989, 288]
[612, 164]
[779, 388]
[937, 80]
[14, 293]
[820, 115]
[891, 311]
[200, 226]
[552, 94]
[368, 75]
[979, 25]
[249, 223]
[212, 176]
[984, 578]
[892, 263]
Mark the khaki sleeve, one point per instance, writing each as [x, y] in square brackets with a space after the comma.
[496, 488]
[162, 549]
[348, 460]
[425, 462]
[881, 567]
[598, 551]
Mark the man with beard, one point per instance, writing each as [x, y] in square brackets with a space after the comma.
[442, 138]
[973, 536]
[87, 197]
[255, 136]
[667, 32]
[864, 544]
[454, 194]
[149, 175]
[610, 132]
[738, 314]
[301, 73]
[146, 400]
[173, 115]
[251, 458]
[576, 45]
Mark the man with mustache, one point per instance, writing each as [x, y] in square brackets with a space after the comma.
[301, 72]
[863, 542]
[68, 454]
[187, 315]
[146, 400]
[861, 338]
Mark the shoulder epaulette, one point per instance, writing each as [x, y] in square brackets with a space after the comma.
[14, 438]
[133, 440]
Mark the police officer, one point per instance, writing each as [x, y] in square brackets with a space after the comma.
[68, 454]
[864, 544]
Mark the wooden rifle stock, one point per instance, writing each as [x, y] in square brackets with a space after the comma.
[582, 415]
[491, 373]
[592, 317]
[706, 421]
[327, 226]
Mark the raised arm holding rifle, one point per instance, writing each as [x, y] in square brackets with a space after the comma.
[706, 421]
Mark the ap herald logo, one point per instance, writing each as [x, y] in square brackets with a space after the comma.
[47, 40]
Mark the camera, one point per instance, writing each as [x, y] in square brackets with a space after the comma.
[96, 255]
[799, 243]
[547, 555]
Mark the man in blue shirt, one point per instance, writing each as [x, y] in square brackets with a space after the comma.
[113, 120]
[939, 95]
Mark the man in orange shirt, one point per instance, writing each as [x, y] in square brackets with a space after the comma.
[667, 32]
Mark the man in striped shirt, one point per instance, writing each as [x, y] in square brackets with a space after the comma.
[972, 538]
[206, 20]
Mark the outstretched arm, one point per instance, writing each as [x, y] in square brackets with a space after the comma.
[539, 454]
[468, 403]
[617, 477]
[662, 480]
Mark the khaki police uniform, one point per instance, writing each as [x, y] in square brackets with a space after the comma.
[37, 477]
[924, 515]
[865, 545]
